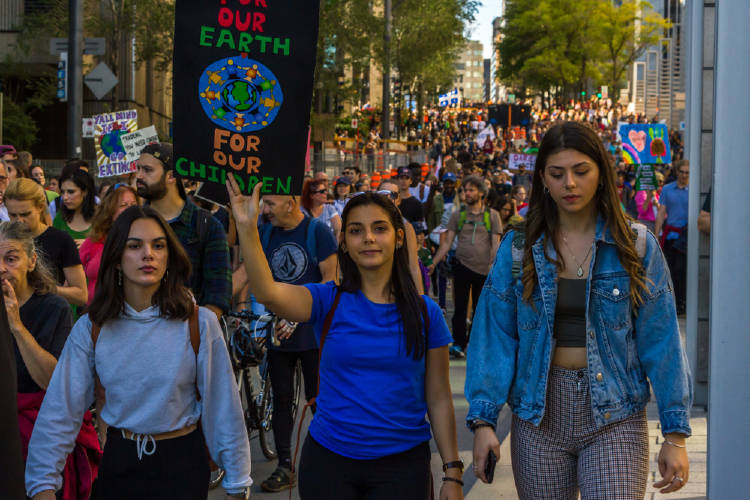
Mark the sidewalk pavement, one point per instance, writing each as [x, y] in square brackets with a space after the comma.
[504, 487]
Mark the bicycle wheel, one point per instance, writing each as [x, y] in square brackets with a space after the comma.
[296, 389]
[265, 416]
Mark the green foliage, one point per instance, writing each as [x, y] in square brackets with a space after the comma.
[347, 28]
[627, 31]
[19, 127]
[563, 44]
[426, 38]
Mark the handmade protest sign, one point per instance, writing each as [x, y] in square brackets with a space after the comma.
[644, 143]
[110, 153]
[136, 141]
[517, 159]
[243, 77]
[645, 178]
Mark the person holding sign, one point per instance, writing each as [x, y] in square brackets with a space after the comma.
[575, 325]
[383, 360]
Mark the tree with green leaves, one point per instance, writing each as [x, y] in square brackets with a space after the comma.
[427, 37]
[549, 44]
[562, 45]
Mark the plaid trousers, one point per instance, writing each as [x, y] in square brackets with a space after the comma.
[567, 452]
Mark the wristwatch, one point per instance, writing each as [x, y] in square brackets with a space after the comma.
[242, 493]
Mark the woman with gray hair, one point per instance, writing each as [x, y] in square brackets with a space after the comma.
[39, 322]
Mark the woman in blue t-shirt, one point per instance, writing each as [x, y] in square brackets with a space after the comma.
[383, 360]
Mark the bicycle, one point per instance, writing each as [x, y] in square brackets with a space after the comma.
[247, 335]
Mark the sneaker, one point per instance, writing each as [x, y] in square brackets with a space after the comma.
[456, 352]
[281, 479]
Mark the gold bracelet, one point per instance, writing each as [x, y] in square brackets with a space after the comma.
[674, 444]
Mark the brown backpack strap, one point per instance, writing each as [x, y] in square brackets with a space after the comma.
[99, 393]
[195, 341]
[195, 332]
[323, 335]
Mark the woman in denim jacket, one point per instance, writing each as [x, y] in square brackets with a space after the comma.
[576, 318]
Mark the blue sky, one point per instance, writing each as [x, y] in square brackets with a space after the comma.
[481, 29]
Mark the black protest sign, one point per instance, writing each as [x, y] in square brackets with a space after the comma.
[243, 78]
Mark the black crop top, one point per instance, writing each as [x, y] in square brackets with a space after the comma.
[570, 313]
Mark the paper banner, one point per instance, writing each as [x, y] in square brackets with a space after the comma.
[136, 141]
[110, 153]
[645, 179]
[517, 159]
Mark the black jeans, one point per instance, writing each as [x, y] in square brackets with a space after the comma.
[281, 368]
[178, 469]
[325, 474]
[464, 281]
[677, 262]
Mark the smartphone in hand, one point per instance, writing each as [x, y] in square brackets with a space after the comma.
[489, 468]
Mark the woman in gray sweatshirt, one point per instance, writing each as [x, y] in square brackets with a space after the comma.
[160, 393]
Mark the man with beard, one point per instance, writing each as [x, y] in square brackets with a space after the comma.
[201, 235]
[478, 228]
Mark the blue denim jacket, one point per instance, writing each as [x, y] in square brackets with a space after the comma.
[511, 346]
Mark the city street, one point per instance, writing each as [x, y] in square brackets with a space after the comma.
[503, 486]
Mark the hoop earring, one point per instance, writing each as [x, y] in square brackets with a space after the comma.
[119, 277]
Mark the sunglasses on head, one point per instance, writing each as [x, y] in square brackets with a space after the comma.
[320, 191]
[393, 195]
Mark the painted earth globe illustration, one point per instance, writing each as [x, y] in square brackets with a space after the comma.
[240, 94]
[111, 142]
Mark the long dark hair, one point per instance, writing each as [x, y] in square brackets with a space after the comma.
[172, 297]
[408, 302]
[85, 183]
[542, 217]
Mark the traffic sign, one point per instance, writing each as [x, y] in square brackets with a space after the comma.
[91, 46]
[101, 80]
[355, 123]
[62, 77]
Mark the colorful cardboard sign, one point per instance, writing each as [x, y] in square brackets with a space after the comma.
[645, 143]
[517, 159]
[110, 153]
[243, 78]
[136, 141]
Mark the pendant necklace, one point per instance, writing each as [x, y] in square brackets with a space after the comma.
[579, 272]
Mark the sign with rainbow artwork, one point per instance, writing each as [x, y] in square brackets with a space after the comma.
[111, 157]
[645, 143]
